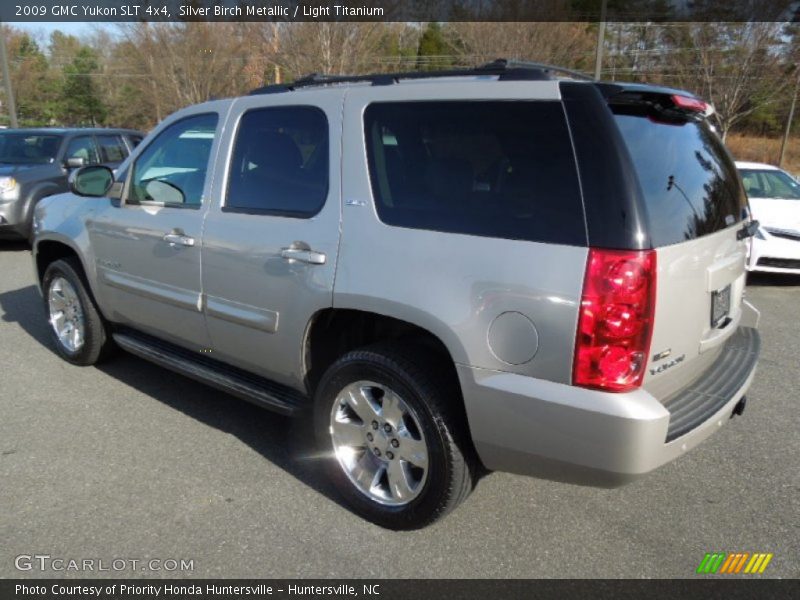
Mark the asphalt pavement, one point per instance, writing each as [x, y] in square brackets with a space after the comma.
[130, 462]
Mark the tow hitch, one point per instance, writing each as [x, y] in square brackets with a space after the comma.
[738, 410]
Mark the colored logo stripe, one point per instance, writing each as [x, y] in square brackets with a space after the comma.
[711, 562]
[734, 562]
[758, 563]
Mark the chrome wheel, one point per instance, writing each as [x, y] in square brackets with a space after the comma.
[66, 314]
[378, 441]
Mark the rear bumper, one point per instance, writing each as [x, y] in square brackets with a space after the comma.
[556, 431]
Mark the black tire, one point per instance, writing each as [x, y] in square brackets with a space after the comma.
[417, 378]
[97, 344]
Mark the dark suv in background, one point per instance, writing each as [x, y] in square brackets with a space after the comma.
[35, 163]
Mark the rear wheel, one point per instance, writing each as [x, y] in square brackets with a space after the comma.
[397, 445]
[78, 331]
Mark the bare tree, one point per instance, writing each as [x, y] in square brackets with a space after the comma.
[329, 47]
[186, 63]
[565, 44]
[736, 66]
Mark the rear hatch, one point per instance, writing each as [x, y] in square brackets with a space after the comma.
[695, 207]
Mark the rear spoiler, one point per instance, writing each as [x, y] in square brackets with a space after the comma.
[658, 102]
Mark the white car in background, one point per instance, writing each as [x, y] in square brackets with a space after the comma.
[775, 202]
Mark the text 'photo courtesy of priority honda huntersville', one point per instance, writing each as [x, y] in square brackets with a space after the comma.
[512, 267]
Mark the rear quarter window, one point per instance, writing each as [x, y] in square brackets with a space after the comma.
[498, 169]
[690, 184]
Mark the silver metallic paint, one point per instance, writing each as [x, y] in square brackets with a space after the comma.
[243, 262]
[521, 416]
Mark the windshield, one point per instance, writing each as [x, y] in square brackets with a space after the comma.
[770, 184]
[689, 181]
[28, 149]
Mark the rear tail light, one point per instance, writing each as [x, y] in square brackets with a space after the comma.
[616, 319]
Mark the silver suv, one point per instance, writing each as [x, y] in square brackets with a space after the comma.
[506, 268]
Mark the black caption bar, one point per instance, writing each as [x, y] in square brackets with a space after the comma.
[393, 589]
[397, 10]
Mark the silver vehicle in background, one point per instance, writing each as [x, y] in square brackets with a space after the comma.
[506, 268]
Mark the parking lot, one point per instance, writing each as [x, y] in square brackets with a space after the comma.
[129, 461]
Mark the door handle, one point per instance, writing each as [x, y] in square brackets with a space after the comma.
[178, 238]
[307, 256]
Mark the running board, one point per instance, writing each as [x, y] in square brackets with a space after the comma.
[239, 383]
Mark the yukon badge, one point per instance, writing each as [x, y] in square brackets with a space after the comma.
[668, 365]
[109, 264]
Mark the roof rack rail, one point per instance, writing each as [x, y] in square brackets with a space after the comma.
[506, 70]
[547, 69]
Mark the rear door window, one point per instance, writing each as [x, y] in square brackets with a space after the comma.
[112, 148]
[82, 147]
[690, 184]
[279, 164]
[499, 169]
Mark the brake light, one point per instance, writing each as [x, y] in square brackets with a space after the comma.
[689, 103]
[615, 320]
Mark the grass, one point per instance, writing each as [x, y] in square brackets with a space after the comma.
[765, 150]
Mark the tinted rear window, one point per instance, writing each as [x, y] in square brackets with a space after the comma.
[498, 169]
[280, 162]
[691, 187]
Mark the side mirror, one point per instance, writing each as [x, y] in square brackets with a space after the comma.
[115, 193]
[93, 181]
[75, 162]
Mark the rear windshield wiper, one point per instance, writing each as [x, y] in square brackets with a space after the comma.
[748, 230]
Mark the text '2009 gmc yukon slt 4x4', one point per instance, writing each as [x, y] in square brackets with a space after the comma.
[500, 268]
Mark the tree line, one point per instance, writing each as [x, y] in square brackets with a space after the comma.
[135, 74]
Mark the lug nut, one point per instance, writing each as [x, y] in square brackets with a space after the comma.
[369, 437]
[387, 428]
[374, 424]
[395, 443]
[389, 455]
[377, 452]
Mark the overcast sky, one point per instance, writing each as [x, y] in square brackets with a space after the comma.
[45, 29]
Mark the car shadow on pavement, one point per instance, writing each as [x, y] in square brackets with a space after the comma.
[24, 307]
[287, 443]
[9, 245]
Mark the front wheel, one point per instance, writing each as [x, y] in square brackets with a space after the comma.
[397, 445]
[77, 328]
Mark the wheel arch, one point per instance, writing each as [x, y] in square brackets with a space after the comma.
[332, 332]
[49, 250]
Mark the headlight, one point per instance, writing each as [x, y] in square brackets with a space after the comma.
[7, 184]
